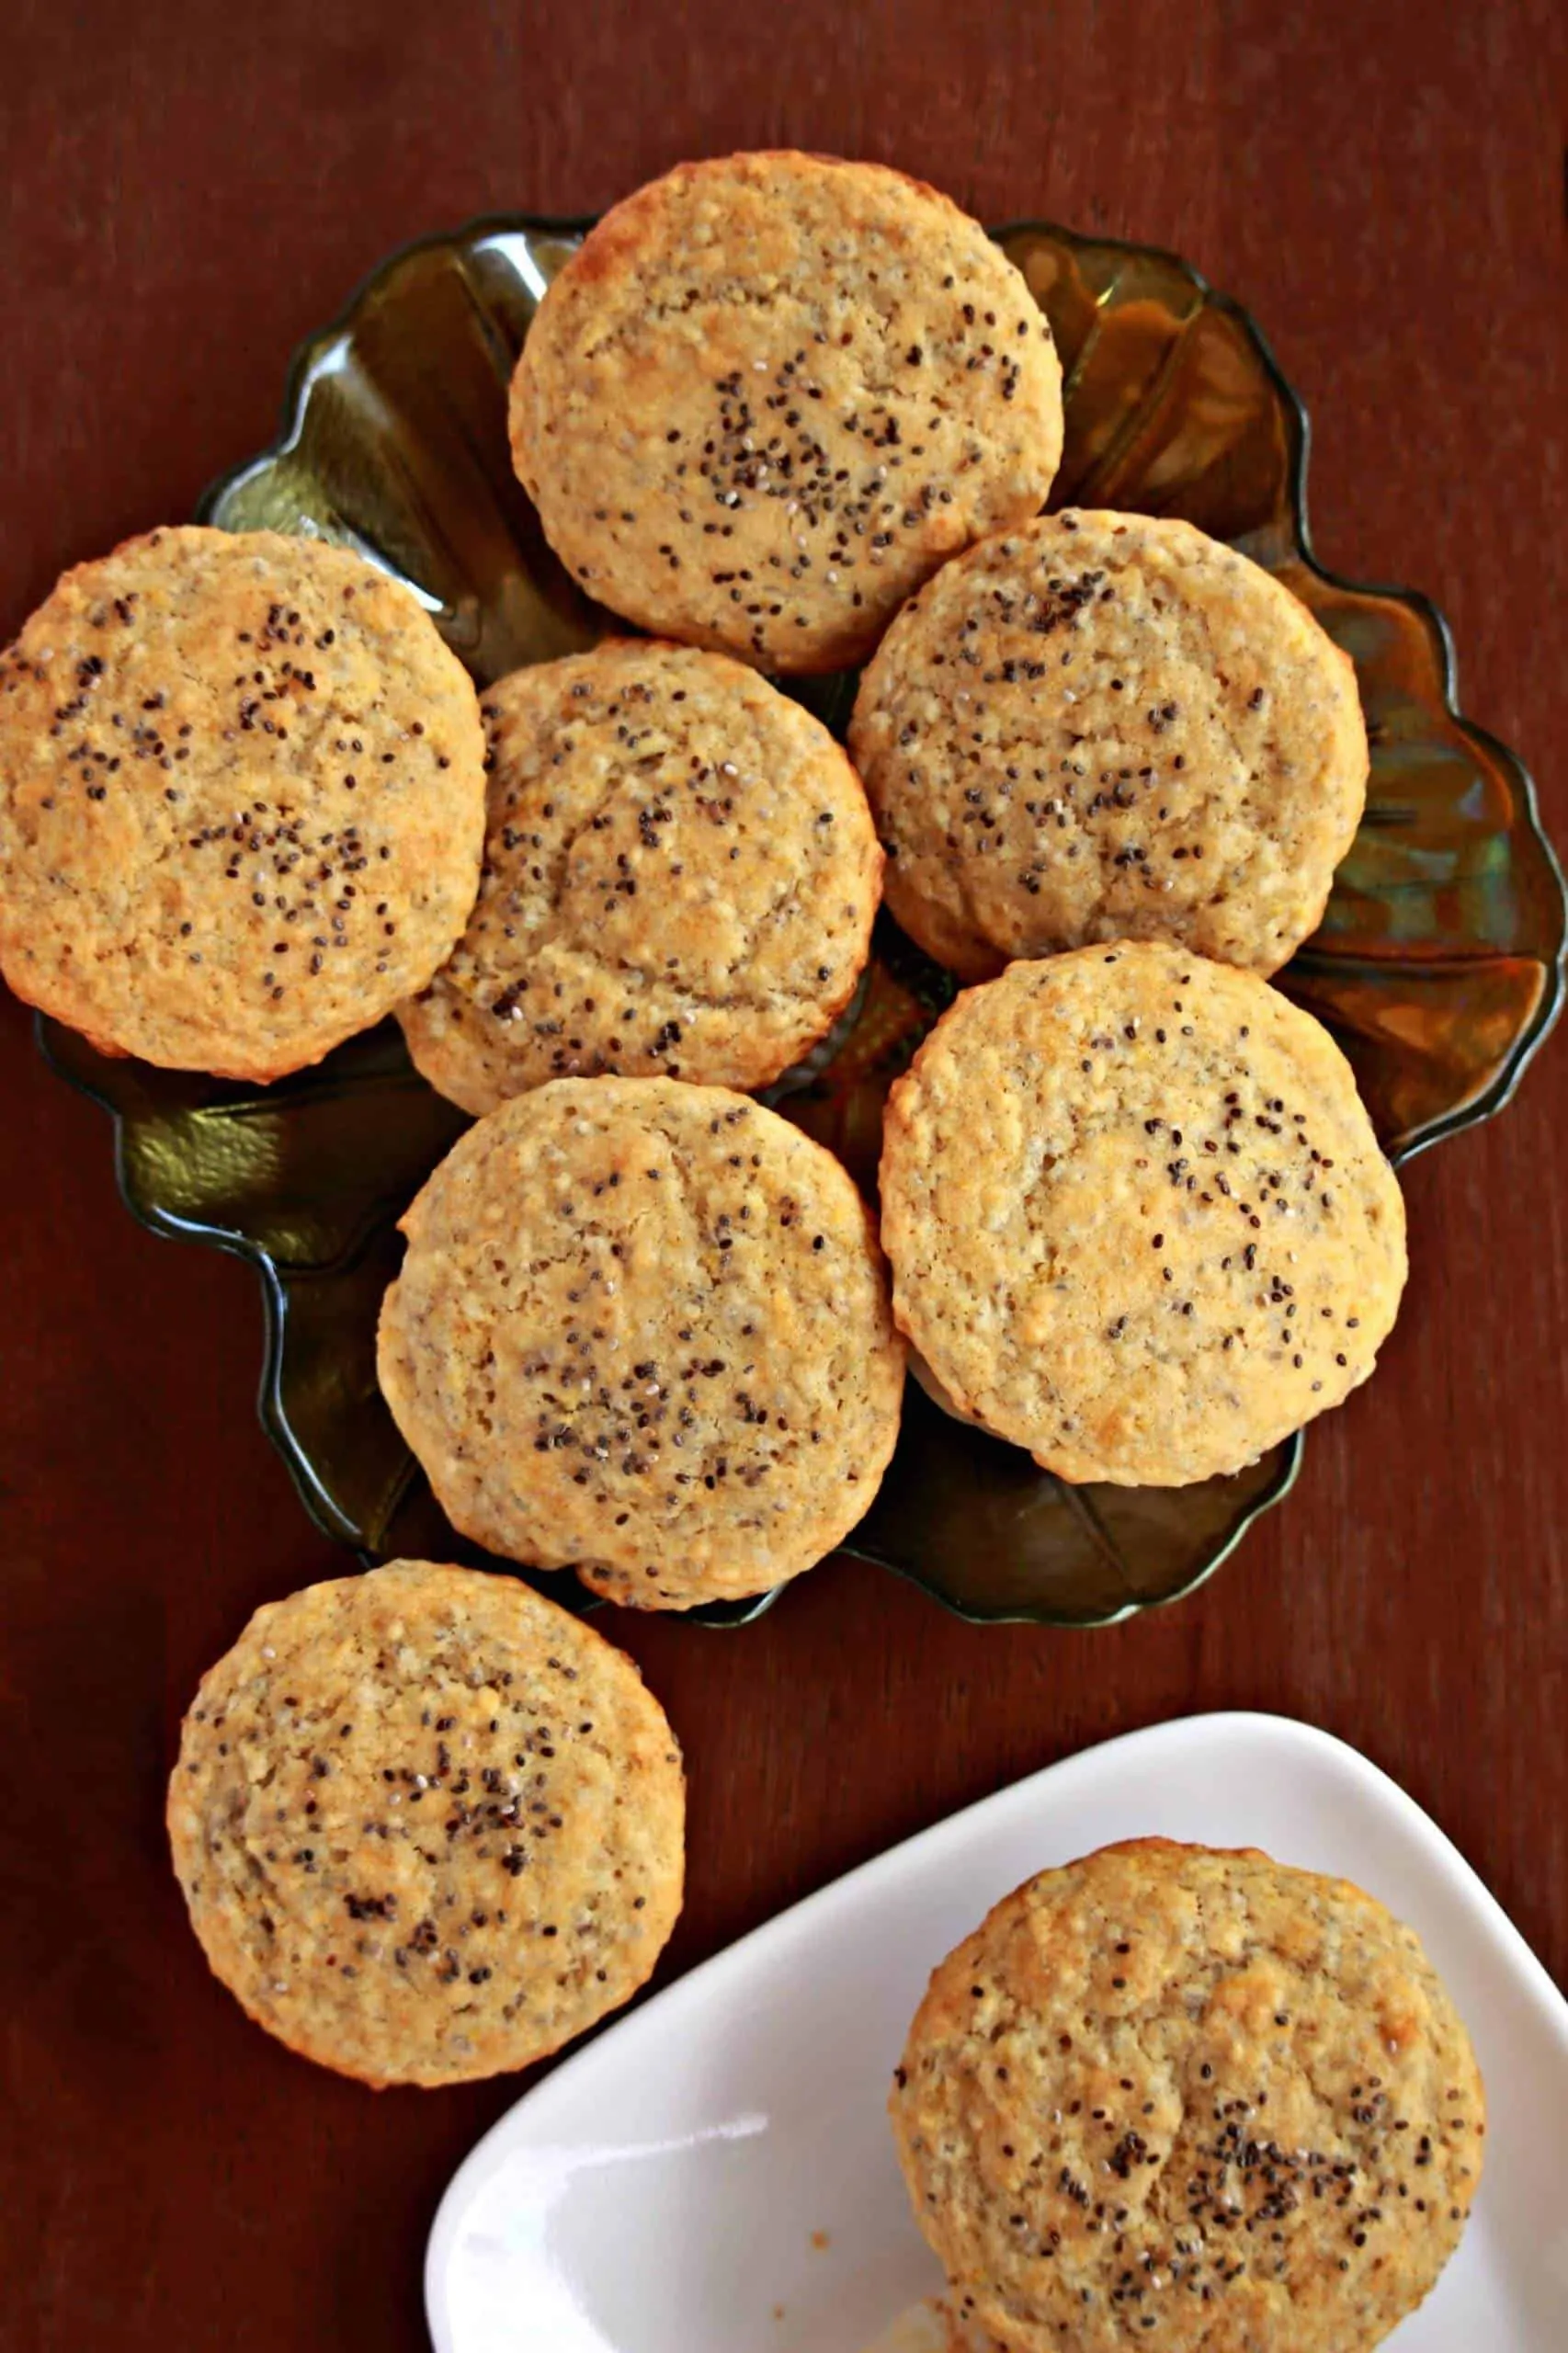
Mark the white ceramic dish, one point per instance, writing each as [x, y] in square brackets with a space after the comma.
[714, 2175]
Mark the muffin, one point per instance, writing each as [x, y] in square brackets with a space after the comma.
[680, 875]
[1136, 1217]
[428, 1826]
[642, 1332]
[1103, 727]
[770, 394]
[241, 801]
[1190, 2097]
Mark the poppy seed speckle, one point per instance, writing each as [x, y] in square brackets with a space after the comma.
[864, 421]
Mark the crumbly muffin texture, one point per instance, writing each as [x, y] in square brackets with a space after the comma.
[680, 877]
[428, 1825]
[241, 801]
[1172, 2097]
[1104, 726]
[961, 2333]
[1136, 1217]
[771, 393]
[642, 1330]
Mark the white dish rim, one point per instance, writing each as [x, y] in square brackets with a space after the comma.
[672, 2003]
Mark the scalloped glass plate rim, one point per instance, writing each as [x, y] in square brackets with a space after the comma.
[1290, 1453]
[1484, 1104]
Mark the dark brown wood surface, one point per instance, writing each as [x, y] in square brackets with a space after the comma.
[184, 192]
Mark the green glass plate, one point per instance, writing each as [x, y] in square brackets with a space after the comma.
[1439, 965]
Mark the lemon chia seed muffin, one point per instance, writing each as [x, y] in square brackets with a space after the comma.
[241, 801]
[428, 1825]
[642, 1330]
[1138, 1219]
[1191, 2098]
[771, 393]
[680, 875]
[1101, 727]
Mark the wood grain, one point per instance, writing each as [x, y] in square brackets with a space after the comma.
[188, 190]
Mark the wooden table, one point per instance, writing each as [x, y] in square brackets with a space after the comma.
[186, 191]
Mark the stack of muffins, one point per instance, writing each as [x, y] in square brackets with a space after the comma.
[785, 415]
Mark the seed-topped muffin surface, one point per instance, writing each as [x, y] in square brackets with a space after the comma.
[241, 801]
[428, 1825]
[1190, 2099]
[771, 393]
[1138, 1219]
[680, 875]
[1105, 726]
[642, 1330]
